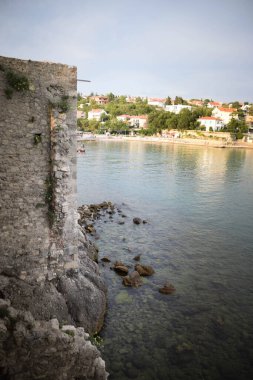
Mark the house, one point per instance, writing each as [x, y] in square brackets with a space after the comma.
[158, 102]
[225, 114]
[95, 114]
[214, 104]
[100, 99]
[196, 102]
[176, 108]
[140, 121]
[123, 118]
[211, 122]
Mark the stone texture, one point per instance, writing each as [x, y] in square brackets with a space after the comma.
[28, 167]
[31, 349]
[46, 260]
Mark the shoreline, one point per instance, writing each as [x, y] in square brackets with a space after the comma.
[179, 141]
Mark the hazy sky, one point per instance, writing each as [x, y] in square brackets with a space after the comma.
[191, 48]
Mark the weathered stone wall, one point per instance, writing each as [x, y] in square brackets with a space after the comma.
[38, 219]
[46, 264]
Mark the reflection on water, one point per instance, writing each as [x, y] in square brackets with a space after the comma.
[198, 202]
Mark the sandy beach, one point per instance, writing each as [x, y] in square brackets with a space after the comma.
[183, 141]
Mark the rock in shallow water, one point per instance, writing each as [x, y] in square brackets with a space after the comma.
[120, 268]
[137, 220]
[168, 288]
[133, 279]
[144, 270]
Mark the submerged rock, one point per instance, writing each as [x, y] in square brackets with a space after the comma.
[144, 270]
[168, 288]
[133, 279]
[123, 297]
[137, 258]
[137, 220]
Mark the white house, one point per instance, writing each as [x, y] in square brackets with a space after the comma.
[158, 102]
[176, 108]
[225, 114]
[211, 122]
[140, 121]
[95, 114]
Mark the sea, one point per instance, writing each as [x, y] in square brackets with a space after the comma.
[197, 203]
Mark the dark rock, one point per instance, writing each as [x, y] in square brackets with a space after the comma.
[90, 228]
[144, 222]
[121, 222]
[144, 270]
[137, 258]
[120, 268]
[168, 288]
[133, 279]
[105, 260]
[137, 220]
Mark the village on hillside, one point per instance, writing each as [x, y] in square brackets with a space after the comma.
[165, 117]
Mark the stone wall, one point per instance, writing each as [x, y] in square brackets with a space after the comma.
[46, 260]
[38, 219]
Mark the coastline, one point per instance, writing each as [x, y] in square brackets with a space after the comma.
[180, 141]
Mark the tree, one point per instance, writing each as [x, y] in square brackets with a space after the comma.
[104, 117]
[179, 100]
[251, 110]
[168, 101]
[236, 128]
[236, 105]
[110, 96]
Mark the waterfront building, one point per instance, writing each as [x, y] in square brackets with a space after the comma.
[211, 122]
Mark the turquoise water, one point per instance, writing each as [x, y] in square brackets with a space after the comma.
[198, 202]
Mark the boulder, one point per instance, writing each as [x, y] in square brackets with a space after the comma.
[133, 279]
[137, 220]
[105, 259]
[167, 288]
[144, 270]
[36, 349]
[120, 268]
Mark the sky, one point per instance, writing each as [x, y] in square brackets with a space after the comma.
[159, 48]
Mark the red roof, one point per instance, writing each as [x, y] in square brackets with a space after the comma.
[209, 118]
[139, 117]
[214, 103]
[97, 110]
[230, 110]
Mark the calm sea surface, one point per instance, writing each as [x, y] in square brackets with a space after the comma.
[199, 206]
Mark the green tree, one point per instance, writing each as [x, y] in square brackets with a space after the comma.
[251, 110]
[236, 128]
[110, 96]
[179, 100]
[168, 101]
